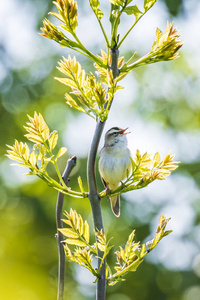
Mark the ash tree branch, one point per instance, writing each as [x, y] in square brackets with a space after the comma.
[93, 194]
[71, 163]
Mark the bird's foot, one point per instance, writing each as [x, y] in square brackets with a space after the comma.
[122, 184]
[107, 191]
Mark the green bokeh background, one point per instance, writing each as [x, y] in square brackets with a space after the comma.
[167, 98]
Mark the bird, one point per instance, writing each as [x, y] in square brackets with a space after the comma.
[114, 163]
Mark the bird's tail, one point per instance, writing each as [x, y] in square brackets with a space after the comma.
[115, 205]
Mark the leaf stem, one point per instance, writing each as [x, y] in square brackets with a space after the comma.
[104, 33]
[89, 54]
[126, 34]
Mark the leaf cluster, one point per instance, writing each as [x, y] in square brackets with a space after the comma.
[68, 15]
[145, 169]
[78, 235]
[78, 248]
[164, 48]
[90, 95]
[37, 159]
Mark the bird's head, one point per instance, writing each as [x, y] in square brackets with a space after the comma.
[116, 135]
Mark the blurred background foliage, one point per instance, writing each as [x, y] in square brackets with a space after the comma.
[160, 104]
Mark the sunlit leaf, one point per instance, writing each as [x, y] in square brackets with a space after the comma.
[133, 10]
[74, 242]
[117, 2]
[133, 267]
[87, 232]
[33, 159]
[53, 139]
[67, 14]
[34, 138]
[80, 183]
[68, 232]
[61, 152]
[95, 7]
[148, 4]
[156, 159]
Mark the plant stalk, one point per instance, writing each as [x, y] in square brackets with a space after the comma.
[93, 194]
[71, 163]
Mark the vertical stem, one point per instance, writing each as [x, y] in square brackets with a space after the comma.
[93, 194]
[96, 205]
[61, 253]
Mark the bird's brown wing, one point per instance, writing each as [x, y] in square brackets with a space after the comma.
[104, 183]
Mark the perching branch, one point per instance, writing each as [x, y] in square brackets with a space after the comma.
[71, 163]
[93, 194]
[96, 204]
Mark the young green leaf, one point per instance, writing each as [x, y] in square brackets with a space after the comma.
[118, 2]
[156, 160]
[75, 242]
[148, 4]
[69, 233]
[53, 139]
[86, 233]
[61, 152]
[80, 183]
[133, 10]
[67, 14]
[95, 7]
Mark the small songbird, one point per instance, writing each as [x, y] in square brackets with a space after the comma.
[114, 163]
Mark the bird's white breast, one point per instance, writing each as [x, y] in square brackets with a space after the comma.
[113, 165]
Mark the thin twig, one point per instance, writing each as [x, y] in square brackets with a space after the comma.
[71, 163]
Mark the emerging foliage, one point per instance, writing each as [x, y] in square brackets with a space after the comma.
[145, 170]
[90, 96]
[83, 252]
[148, 4]
[67, 14]
[129, 258]
[164, 48]
[37, 159]
[95, 7]
[78, 235]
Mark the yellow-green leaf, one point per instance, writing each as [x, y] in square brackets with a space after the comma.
[44, 129]
[87, 232]
[33, 159]
[61, 152]
[117, 2]
[101, 247]
[80, 183]
[53, 139]
[133, 267]
[68, 232]
[148, 4]
[75, 242]
[156, 160]
[34, 138]
[133, 10]
[66, 222]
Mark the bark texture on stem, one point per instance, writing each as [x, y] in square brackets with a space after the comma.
[71, 163]
[93, 194]
[95, 204]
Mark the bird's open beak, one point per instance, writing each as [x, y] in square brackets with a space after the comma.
[124, 131]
